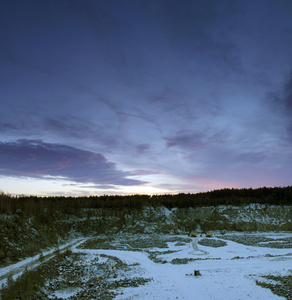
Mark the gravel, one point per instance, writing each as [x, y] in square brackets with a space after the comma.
[282, 287]
[212, 243]
[259, 241]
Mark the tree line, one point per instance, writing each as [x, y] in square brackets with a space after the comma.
[235, 197]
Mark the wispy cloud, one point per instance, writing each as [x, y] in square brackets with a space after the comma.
[288, 105]
[279, 104]
[142, 148]
[170, 91]
[186, 140]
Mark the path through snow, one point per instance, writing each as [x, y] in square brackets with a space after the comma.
[31, 262]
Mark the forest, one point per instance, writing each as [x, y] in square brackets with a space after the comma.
[234, 197]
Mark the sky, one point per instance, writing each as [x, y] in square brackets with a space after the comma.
[144, 97]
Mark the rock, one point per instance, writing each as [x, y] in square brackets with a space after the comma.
[287, 226]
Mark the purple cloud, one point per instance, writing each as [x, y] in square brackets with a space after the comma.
[34, 158]
[288, 105]
[250, 157]
[280, 102]
[186, 140]
[142, 148]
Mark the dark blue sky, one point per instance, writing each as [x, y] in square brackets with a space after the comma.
[122, 97]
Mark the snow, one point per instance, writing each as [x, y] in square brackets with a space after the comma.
[66, 292]
[166, 211]
[31, 262]
[228, 272]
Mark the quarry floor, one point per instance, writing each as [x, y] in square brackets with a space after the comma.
[150, 266]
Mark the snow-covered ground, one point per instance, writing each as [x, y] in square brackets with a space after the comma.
[227, 272]
[162, 267]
